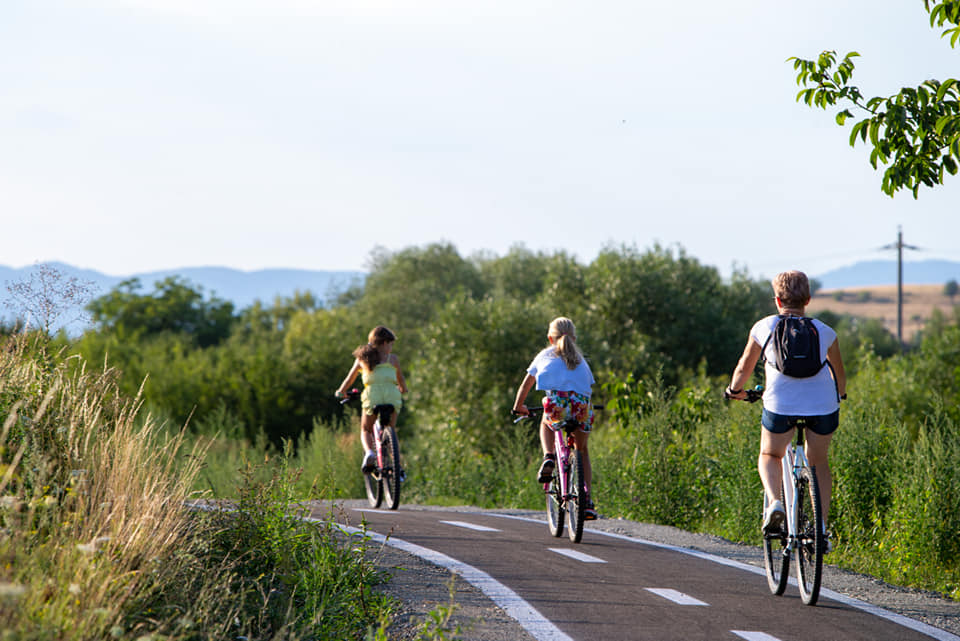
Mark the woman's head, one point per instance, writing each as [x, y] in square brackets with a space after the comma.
[563, 335]
[380, 335]
[792, 288]
[374, 352]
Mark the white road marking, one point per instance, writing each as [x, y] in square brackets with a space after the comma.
[579, 556]
[677, 597]
[539, 627]
[754, 636]
[899, 619]
[471, 526]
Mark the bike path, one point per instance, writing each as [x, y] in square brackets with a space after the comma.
[614, 587]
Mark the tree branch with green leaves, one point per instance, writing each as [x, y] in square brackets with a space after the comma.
[915, 133]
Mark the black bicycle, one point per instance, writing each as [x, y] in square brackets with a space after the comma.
[385, 479]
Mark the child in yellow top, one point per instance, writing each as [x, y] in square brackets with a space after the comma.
[383, 383]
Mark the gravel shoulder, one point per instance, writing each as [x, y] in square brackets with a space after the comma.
[420, 587]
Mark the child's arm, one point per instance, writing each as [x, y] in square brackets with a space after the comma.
[401, 381]
[348, 381]
[522, 392]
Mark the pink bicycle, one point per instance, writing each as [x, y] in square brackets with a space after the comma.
[384, 480]
[566, 491]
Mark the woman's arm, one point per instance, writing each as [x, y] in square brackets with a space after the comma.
[522, 392]
[348, 381]
[836, 362]
[401, 381]
[741, 375]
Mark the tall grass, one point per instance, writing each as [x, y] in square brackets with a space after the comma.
[95, 541]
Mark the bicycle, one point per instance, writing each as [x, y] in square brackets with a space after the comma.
[566, 492]
[385, 479]
[804, 532]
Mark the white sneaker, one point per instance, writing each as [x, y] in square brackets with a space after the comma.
[827, 543]
[774, 517]
[369, 462]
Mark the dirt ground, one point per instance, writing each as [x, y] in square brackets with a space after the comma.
[880, 302]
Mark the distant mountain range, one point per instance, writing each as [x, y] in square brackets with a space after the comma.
[884, 272]
[242, 288]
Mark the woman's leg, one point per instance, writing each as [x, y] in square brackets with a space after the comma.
[366, 431]
[816, 450]
[546, 438]
[772, 448]
[580, 441]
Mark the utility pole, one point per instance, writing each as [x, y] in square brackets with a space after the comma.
[899, 246]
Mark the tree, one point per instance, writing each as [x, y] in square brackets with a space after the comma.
[915, 132]
[174, 306]
[48, 295]
[950, 289]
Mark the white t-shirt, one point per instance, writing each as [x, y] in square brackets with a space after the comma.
[814, 396]
[552, 373]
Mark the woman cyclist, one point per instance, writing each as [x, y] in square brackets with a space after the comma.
[563, 373]
[817, 397]
[383, 383]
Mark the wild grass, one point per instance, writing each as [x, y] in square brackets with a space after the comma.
[96, 543]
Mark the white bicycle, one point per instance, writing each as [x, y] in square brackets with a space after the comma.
[803, 531]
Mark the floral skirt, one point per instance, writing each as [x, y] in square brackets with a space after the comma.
[559, 406]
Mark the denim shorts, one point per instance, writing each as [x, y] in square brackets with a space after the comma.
[782, 423]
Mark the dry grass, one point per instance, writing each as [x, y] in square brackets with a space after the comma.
[90, 502]
[880, 302]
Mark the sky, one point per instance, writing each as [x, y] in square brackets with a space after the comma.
[143, 135]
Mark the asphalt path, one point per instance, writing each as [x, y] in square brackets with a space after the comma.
[614, 587]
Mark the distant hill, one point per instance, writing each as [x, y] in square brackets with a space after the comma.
[884, 272]
[242, 288]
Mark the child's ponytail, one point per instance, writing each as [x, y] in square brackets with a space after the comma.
[565, 341]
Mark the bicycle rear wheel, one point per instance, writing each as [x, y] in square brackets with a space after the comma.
[390, 472]
[576, 504]
[776, 556]
[809, 536]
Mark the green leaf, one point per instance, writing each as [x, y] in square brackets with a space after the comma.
[945, 87]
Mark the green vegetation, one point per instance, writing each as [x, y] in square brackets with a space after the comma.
[96, 543]
[662, 333]
[915, 131]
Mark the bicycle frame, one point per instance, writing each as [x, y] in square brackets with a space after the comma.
[794, 460]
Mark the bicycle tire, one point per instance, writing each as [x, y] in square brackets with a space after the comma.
[776, 556]
[390, 472]
[576, 504]
[373, 483]
[809, 537]
[555, 512]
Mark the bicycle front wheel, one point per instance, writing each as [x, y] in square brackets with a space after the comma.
[810, 539]
[390, 472]
[576, 503]
[555, 504]
[373, 483]
[776, 555]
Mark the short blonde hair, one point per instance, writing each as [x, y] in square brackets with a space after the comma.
[792, 288]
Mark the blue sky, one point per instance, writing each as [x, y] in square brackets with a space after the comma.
[140, 135]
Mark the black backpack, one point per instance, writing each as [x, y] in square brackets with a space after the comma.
[796, 344]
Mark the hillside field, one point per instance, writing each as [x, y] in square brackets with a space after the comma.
[880, 301]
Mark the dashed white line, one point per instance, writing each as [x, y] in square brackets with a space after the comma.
[539, 627]
[471, 526]
[754, 636]
[579, 556]
[675, 596]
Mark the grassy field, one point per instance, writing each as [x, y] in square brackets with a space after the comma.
[880, 301]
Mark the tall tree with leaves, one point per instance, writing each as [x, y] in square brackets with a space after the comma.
[915, 133]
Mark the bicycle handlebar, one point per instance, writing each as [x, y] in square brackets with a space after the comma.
[753, 395]
[534, 411]
[349, 396]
